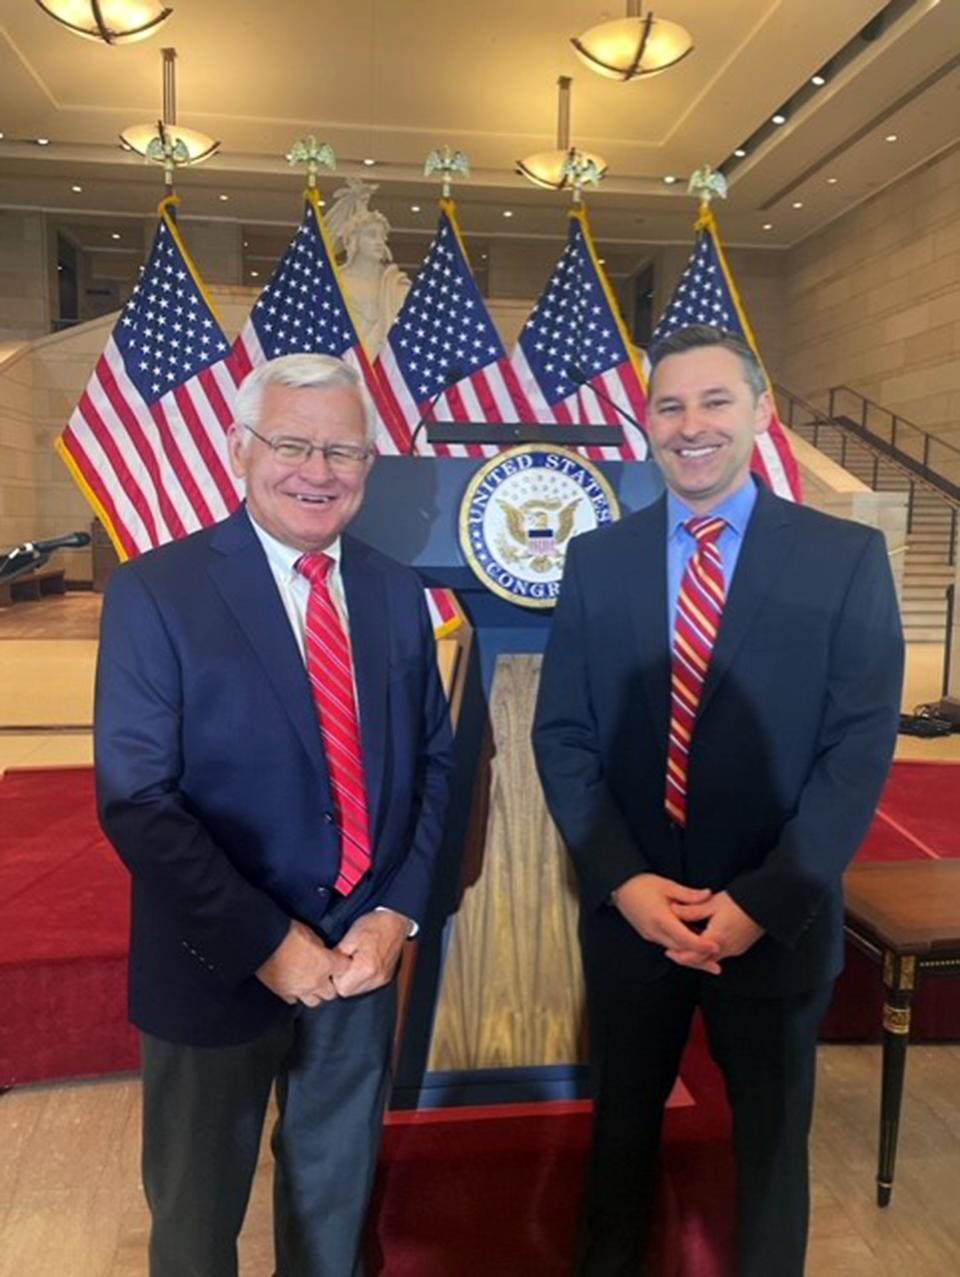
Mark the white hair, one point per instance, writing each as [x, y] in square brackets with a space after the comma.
[301, 372]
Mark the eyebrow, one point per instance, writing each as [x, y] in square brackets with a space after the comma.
[675, 397]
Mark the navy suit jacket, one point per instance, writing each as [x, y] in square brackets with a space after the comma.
[211, 777]
[793, 742]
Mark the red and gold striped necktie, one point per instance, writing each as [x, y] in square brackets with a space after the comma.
[330, 667]
[699, 609]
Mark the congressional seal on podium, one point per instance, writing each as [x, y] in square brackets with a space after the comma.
[519, 513]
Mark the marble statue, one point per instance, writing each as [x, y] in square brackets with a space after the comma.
[375, 286]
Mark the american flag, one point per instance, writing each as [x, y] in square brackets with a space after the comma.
[146, 442]
[575, 340]
[443, 346]
[303, 310]
[707, 294]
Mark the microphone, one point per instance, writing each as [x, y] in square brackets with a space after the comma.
[72, 541]
[580, 378]
[34, 554]
[452, 375]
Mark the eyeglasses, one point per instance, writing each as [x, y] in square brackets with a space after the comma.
[297, 452]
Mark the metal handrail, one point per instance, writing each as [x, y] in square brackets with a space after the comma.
[928, 438]
[915, 471]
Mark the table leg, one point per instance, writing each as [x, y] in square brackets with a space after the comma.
[899, 977]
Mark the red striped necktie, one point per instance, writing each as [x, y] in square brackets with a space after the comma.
[330, 667]
[699, 609]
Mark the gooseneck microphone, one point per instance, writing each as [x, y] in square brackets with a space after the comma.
[580, 378]
[72, 541]
[452, 375]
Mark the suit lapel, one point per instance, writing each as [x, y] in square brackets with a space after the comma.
[369, 642]
[760, 562]
[648, 607]
[243, 578]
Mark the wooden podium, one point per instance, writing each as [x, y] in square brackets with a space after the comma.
[498, 984]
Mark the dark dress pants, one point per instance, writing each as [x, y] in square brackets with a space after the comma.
[203, 1113]
[766, 1048]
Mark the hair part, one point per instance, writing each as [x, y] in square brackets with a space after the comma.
[301, 372]
[705, 336]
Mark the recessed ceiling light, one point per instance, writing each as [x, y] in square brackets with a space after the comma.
[891, 137]
[669, 179]
[224, 197]
[59, 267]
[369, 163]
[254, 274]
[414, 208]
[115, 235]
[798, 203]
[740, 152]
[768, 226]
[76, 189]
[602, 261]
[832, 181]
[483, 257]
[43, 141]
[246, 243]
[322, 203]
[818, 80]
[1, 134]
[508, 212]
[779, 118]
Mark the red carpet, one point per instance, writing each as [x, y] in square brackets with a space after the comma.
[478, 1192]
[64, 921]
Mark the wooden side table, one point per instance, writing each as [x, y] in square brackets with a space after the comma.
[906, 915]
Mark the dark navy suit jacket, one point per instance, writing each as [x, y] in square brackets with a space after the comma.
[793, 742]
[212, 782]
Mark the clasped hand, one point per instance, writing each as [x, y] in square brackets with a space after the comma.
[662, 910]
[303, 969]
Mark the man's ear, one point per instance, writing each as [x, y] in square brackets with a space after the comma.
[762, 412]
[235, 451]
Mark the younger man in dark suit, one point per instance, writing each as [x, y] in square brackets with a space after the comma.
[273, 755]
[716, 719]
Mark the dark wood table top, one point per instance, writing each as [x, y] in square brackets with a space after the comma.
[911, 906]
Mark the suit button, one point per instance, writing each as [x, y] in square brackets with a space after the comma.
[323, 891]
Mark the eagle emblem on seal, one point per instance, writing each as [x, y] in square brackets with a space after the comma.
[538, 532]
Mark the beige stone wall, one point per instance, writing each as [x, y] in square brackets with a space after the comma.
[25, 276]
[873, 301]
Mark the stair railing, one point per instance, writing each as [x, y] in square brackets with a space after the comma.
[887, 437]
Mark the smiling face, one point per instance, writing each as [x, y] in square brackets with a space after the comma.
[306, 506]
[703, 419]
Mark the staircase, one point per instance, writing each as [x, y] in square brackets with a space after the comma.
[931, 504]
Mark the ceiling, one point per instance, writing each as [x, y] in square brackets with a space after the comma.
[390, 80]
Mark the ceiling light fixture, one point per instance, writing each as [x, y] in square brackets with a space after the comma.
[115, 235]
[669, 179]
[798, 203]
[414, 208]
[254, 274]
[76, 189]
[740, 152]
[832, 181]
[819, 80]
[167, 142]
[508, 212]
[223, 198]
[768, 226]
[108, 21]
[369, 163]
[43, 141]
[779, 118]
[891, 137]
[566, 166]
[634, 47]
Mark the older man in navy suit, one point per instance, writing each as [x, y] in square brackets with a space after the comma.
[273, 757]
[716, 720]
